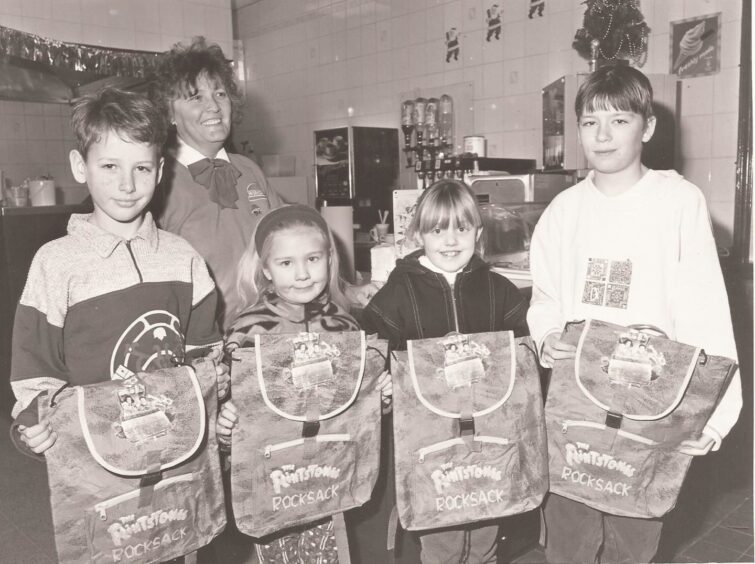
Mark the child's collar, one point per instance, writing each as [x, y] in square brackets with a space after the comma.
[104, 242]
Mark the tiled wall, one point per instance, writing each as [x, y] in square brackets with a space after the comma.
[35, 138]
[313, 64]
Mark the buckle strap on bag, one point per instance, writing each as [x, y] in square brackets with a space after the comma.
[466, 425]
[613, 420]
[466, 420]
[311, 426]
[148, 481]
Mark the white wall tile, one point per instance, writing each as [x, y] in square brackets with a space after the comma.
[513, 40]
[536, 38]
[493, 80]
[416, 28]
[384, 39]
[434, 23]
[698, 171]
[435, 53]
[697, 96]
[171, 22]
[695, 137]
[722, 179]
[726, 91]
[513, 10]
[369, 39]
[65, 10]
[724, 138]
[11, 8]
[536, 73]
[339, 46]
[473, 15]
[471, 47]
[492, 51]
[731, 36]
[514, 76]
[722, 216]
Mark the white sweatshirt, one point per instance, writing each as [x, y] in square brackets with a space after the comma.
[646, 256]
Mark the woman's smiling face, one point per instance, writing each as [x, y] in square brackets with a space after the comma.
[203, 119]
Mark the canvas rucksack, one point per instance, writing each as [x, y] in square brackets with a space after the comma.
[617, 412]
[468, 429]
[134, 474]
[308, 438]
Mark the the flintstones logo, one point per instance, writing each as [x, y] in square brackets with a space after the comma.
[449, 474]
[129, 526]
[289, 474]
[581, 454]
[634, 360]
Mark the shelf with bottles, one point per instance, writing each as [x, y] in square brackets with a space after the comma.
[462, 166]
[428, 127]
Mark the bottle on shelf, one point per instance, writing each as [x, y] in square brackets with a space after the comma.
[407, 121]
[420, 107]
[446, 123]
[432, 139]
[407, 126]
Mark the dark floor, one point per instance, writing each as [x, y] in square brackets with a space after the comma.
[713, 520]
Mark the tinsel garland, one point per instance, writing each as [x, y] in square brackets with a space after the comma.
[613, 29]
[74, 56]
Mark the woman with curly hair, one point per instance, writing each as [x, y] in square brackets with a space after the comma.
[212, 198]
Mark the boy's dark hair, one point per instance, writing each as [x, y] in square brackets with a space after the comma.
[183, 65]
[618, 87]
[129, 114]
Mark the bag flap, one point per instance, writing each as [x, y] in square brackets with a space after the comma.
[310, 376]
[630, 372]
[146, 423]
[476, 371]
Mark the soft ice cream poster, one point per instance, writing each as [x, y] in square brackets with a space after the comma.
[696, 46]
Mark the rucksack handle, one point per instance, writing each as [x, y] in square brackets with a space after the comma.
[303, 418]
[456, 415]
[188, 453]
[671, 407]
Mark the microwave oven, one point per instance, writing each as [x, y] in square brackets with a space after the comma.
[502, 188]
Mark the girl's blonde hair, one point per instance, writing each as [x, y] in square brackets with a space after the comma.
[252, 284]
[444, 202]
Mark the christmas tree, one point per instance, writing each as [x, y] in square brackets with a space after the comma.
[613, 29]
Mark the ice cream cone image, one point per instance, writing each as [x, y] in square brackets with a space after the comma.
[690, 44]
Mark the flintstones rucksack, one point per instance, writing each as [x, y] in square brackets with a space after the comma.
[617, 412]
[468, 429]
[134, 475]
[310, 449]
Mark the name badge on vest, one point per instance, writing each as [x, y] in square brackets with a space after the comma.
[257, 198]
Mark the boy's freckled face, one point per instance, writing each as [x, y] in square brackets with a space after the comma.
[612, 139]
[121, 176]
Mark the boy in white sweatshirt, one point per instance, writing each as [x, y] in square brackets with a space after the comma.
[651, 231]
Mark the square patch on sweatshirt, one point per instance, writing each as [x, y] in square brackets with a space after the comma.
[607, 283]
[597, 269]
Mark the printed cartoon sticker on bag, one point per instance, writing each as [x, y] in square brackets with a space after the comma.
[462, 361]
[634, 360]
[312, 365]
[143, 416]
